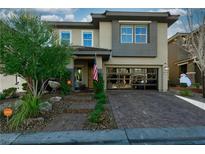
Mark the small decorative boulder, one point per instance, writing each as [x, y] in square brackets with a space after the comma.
[45, 107]
[55, 99]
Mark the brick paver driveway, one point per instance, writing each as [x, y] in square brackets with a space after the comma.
[138, 109]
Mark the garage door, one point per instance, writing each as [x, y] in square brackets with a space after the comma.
[131, 78]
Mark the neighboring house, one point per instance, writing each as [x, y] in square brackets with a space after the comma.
[180, 61]
[130, 49]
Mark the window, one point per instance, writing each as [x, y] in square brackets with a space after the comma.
[65, 38]
[126, 34]
[139, 31]
[141, 34]
[87, 39]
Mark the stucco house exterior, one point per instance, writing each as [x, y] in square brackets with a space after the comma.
[130, 49]
[180, 61]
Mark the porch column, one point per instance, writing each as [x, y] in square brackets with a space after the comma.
[71, 69]
[99, 63]
[165, 71]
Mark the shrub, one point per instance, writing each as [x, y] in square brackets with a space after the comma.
[95, 116]
[196, 85]
[100, 95]
[28, 108]
[64, 87]
[183, 85]
[185, 92]
[2, 96]
[10, 92]
[98, 85]
[99, 107]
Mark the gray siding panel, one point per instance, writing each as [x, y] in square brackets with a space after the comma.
[134, 50]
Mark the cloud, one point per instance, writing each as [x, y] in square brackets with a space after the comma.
[69, 17]
[49, 14]
[88, 18]
[51, 18]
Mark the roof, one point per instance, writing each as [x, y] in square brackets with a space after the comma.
[92, 51]
[176, 36]
[164, 17]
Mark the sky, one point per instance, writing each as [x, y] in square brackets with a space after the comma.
[83, 14]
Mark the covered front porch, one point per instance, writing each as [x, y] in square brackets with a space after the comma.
[81, 66]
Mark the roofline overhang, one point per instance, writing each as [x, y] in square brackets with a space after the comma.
[163, 17]
[104, 54]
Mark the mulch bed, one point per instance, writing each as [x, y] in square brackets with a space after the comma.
[106, 122]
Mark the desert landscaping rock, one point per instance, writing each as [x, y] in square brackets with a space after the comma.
[45, 107]
[55, 99]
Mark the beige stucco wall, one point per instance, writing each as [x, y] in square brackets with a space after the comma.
[10, 81]
[76, 36]
[105, 35]
[160, 62]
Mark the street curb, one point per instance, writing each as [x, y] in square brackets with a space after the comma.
[191, 135]
[74, 137]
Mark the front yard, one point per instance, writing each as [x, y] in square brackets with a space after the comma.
[70, 113]
[124, 109]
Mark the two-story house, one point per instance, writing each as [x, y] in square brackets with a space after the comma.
[130, 49]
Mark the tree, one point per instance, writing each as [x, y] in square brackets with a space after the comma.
[194, 42]
[29, 49]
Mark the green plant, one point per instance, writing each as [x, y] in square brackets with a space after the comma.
[196, 85]
[183, 85]
[28, 48]
[28, 108]
[100, 95]
[185, 92]
[98, 85]
[2, 96]
[10, 92]
[94, 116]
[64, 87]
[100, 107]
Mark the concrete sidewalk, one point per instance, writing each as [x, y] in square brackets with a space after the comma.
[192, 135]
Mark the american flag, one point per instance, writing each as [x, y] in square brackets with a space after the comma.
[95, 71]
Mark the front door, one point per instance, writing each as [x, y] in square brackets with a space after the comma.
[78, 77]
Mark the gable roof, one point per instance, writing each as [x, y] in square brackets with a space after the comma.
[175, 36]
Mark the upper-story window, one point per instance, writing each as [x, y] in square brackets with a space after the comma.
[65, 37]
[141, 34]
[139, 31]
[126, 34]
[87, 39]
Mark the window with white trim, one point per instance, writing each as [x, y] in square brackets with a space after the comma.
[65, 37]
[141, 34]
[126, 33]
[87, 39]
[134, 34]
